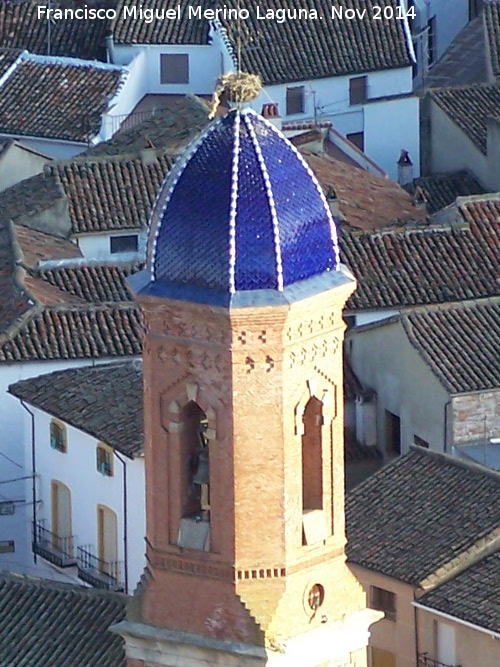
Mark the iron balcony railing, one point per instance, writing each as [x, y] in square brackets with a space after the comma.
[99, 573]
[54, 548]
[425, 661]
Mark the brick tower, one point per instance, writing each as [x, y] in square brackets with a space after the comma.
[242, 302]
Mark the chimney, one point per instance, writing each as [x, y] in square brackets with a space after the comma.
[271, 113]
[405, 168]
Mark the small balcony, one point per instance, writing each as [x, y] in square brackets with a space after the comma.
[52, 547]
[425, 661]
[99, 573]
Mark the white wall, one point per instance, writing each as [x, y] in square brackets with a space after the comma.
[17, 164]
[390, 126]
[451, 17]
[128, 96]
[451, 149]
[77, 470]
[205, 66]
[15, 438]
[384, 360]
[96, 246]
[61, 150]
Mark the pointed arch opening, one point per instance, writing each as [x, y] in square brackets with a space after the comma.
[312, 456]
[194, 529]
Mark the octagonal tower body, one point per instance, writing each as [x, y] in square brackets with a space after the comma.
[242, 300]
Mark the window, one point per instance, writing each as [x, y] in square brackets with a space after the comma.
[62, 539]
[358, 90]
[128, 243]
[174, 68]
[58, 437]
[294, 100]
[392, 433]
[358, 139]
[312, 456]
[7, 546]
[431, 40]
[383, 601]
[475, 8]
[104, 459]
[7, 508]
[420, 442]
[107, 541]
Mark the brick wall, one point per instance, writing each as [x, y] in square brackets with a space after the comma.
[475, 417]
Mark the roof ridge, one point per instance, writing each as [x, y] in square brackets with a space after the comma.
[41, 582]
[474, 467]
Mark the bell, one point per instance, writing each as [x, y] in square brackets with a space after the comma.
[202, 474]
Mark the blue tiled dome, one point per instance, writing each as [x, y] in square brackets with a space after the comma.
[240, 211]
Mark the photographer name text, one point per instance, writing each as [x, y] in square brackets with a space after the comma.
[224, 13]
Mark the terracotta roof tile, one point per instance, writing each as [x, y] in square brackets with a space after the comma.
[469, 108]
[104, 401]
[92, 282]
[290, 51]
[20, 28]
[492, 23]
[128, 30]
[57, 88]
[418, 513]
[111, 194]
[38, 246]
[459, 342]
[169, 130]
[89, 332]
[366, 201]
[428, 265]
[441, 190]
[472, 595]
[58, 625]
[299, 49]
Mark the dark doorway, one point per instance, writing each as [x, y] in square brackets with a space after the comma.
[392, 433]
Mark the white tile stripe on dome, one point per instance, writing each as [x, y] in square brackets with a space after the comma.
[233, 213]
[172, 180]
[270, 195]
[333, 228]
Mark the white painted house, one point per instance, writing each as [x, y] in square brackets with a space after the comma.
[84, 446]
[60, 106]
[358, 77]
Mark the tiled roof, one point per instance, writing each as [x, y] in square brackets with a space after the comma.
[92, 282]
[21, 28]
[104, 401]
[55, 86]
[420, 512]
[36, 246]
[441, 190]
[29, 197]
[459, 342]
[58, 625]
[13, 302]
[464, 61]
[366, 201]
[7, 58]
[89, 332]
[472, 596]
[469, 107]
[290, 51]
[307, 49]
[129, 30]
[428, 265]
[492, 22]
[106, 194]
[169, 130]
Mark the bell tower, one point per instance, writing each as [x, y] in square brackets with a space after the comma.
[242, 302]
